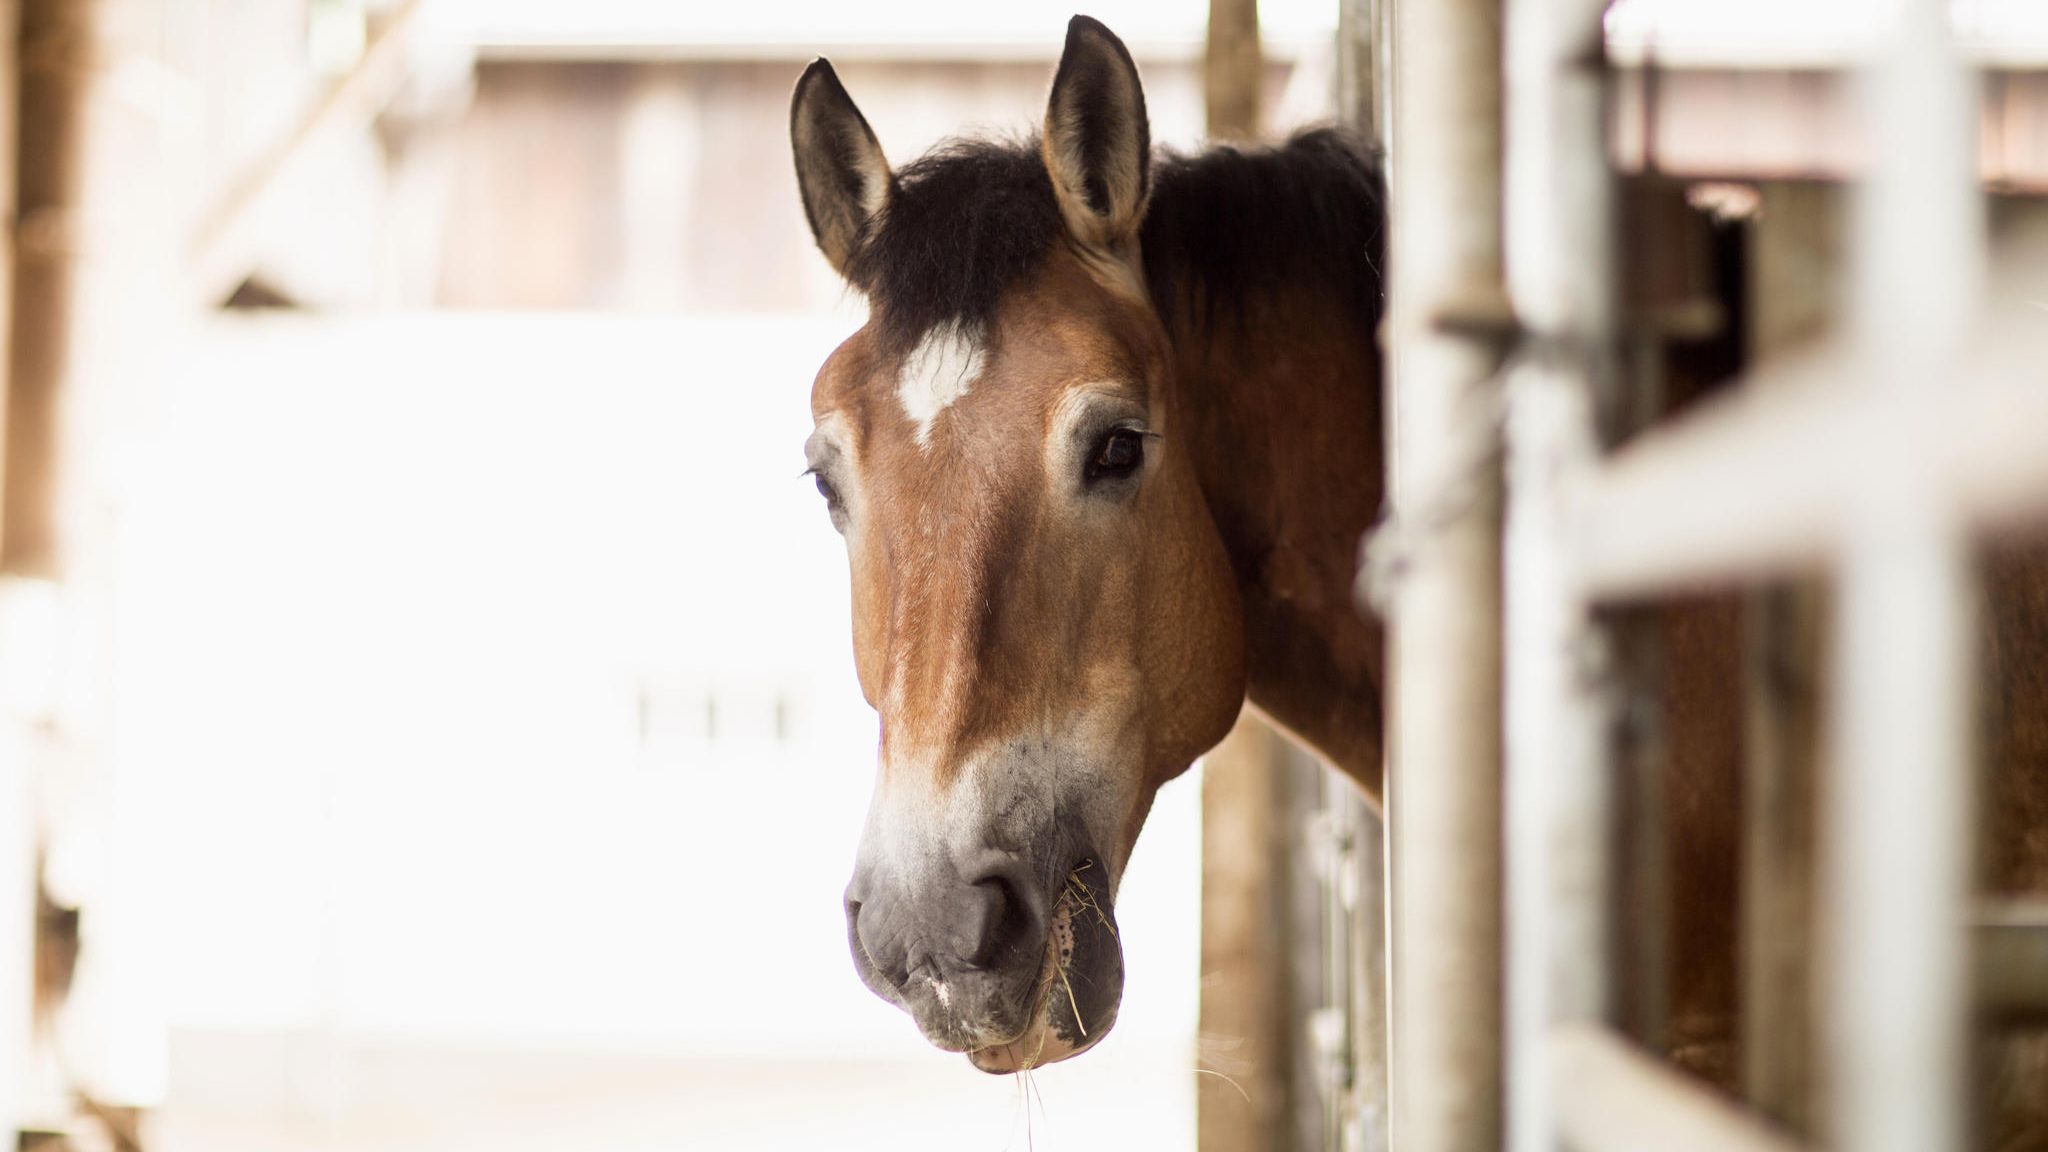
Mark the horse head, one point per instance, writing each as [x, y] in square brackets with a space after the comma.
[1044, 615]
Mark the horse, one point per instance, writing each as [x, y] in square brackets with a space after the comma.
[1102, 455]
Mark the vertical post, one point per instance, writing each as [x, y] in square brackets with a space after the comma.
[1231, 70]
[17, 830]
[1898, 801]
[1246, 1012]
[1361, 57]
[1360, 913]
[1561, 784]
[55, 89]
[46, 100]
[1242, 1101]
[1794, 263]
[1358, 909]
[1444, 617]
[1781, 642]
[92, 262]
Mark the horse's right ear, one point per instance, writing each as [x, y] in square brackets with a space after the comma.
[840, 168]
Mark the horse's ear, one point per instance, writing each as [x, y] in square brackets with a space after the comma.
[1098, 144]
[840, 168]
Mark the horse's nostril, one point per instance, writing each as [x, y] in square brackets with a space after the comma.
[1001, 924]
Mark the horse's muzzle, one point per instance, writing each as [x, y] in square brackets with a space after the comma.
[1003, 963]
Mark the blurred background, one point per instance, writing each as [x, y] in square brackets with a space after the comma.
[427, 717]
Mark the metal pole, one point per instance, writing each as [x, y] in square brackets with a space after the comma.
[1899, 792]
[1365, 908]
[1358, 909]
[1561, 783]
[1444, 619]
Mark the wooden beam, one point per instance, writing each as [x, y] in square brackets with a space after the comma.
[1611, 1096]
[1762, 483]
[1231, 69]
[58, 43]
[1243, 1097]
[228, 242]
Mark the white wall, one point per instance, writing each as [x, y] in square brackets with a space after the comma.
[391, 588]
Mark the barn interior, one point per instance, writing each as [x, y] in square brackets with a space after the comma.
[426, 716]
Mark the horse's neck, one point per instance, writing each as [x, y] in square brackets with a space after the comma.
[1284, 408]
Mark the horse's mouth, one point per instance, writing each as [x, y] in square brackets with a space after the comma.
[1075, 999]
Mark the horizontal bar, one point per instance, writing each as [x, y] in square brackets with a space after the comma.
[1611, 1096]
[510, 46]
[2012, 961]
[1785, 123]
[1763, 482]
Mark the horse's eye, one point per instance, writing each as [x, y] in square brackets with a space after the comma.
[1117, 455]
[826, 490]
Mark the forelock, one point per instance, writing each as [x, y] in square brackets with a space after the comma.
[964, 223]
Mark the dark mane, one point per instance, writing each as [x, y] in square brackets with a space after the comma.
[1230, 224]
[973, 217]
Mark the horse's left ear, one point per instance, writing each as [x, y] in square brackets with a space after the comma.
[1098, 144]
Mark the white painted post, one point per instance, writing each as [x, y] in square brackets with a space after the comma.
[1897, 811]
[1443, 792]
[1560, 779]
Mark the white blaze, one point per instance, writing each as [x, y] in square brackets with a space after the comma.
[937, 372]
